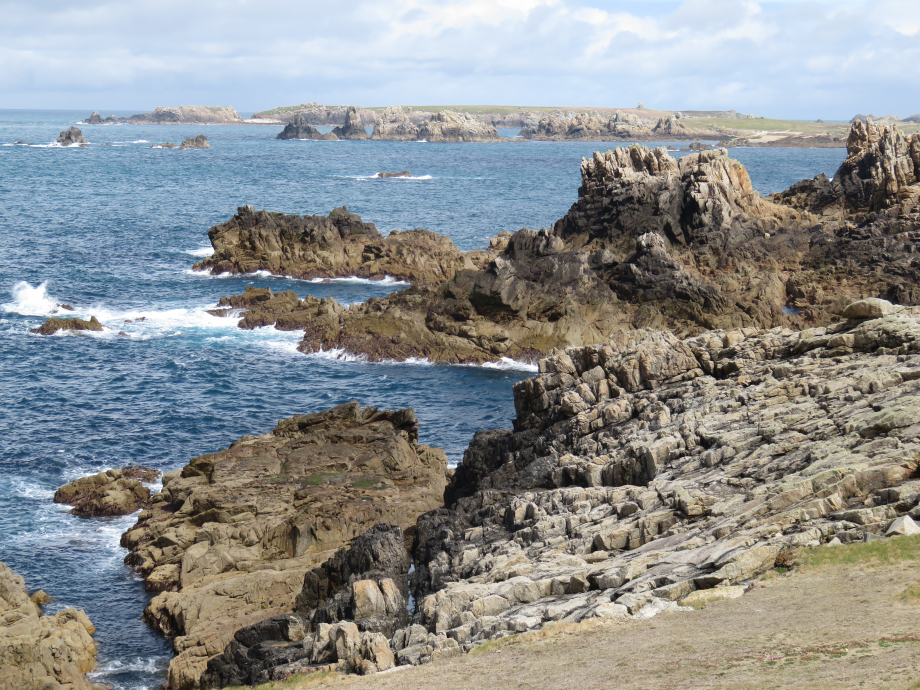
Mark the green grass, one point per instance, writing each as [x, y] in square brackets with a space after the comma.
[882, 552]
[367, 483]
[320, 478]
[911, 594]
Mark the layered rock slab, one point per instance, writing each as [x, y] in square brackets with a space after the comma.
[228, 541]
[648, 468]
[337, 245]
[42, 652]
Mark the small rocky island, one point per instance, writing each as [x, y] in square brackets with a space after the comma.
[297, 128]
[54, 324]
[72, 136]
[182, 115]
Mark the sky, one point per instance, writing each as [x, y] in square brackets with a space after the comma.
[795, 59]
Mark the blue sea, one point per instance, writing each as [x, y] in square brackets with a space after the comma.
[114, 231]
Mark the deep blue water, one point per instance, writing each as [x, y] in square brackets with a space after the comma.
[114, 230]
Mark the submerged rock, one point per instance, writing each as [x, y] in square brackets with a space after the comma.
[71, 136]
[42, 652]
[108, 493]
[198, 142]
[337, 245]
[54, 324]
[231, 537]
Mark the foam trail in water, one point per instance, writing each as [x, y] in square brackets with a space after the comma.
[201, 251]
[378, 176]
[386, 280]
[512, 365]
[31, 301]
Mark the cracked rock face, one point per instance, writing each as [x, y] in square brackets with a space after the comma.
[649, 468]
[337, 245]
[395, 125]
[353, 128]
[42, 652]
[228, 541]
[298, 128]
[108, 493]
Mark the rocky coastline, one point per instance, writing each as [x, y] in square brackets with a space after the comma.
[652, 242]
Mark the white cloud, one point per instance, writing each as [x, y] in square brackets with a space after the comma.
[805, 59]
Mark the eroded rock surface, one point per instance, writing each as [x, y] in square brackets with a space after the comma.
[108, 493]
[187, 115]
[197, 142]
[54, 324]
[451, 126]
[394, 124]
[42, 652]
[648, 468]
[230, 538]
[337, 245]
[589, 126]
[297, 128]
[353, 128]
[71, 136]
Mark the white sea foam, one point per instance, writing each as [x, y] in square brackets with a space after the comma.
[201, 251]
[336, 354]
[378, 176]
[386, 280]
[31, 490]
[31, 301]
[511, 365]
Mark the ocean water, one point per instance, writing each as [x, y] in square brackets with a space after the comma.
[114, 231]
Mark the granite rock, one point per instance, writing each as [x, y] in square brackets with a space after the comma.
[54, 324]
[108, 493]
[353, 127]
[71, 136]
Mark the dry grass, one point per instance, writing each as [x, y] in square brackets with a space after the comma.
[844, 617]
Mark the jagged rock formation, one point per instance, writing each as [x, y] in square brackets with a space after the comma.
[42, 652]
[54, 324]
[647, 468]
[360, 593]
[95, 119]
[394, 125]
[340, 245]
[317, 114]
[230, 538]
[353, 128]
[297, 128]
[655, 242]
[71, 136]
[198, 142]
[590, 126]
[671, 128]
[187, 115]
[450, 126]
[108, 493]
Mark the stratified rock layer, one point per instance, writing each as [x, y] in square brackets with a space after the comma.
[647, 468]
[340, 245]
[42, 652]
[230, 538]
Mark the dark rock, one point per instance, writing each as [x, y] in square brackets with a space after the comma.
[297, 128]
[404, 173]
[109, 493]
[353, 127]
[95, 119]
[198, 142]
[71, 136]
[54, 324]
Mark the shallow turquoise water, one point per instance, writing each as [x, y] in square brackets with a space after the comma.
[114, 230]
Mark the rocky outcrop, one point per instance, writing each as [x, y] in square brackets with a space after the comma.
[198, 142]
[672, 128]
[589, 126]
[187, 115]
[297, 128]
[108, 493]
[647, 468]
[228, 541]
[353, 127]
[54, 324]
[340, 245]
[358, 595]
[317, 114]
[95, 119]
[71, 136]
[450, 126]
[42, 652]
[394, 125]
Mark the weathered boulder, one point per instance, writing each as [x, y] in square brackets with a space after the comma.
[297, 128]
[230, 538]
[108, 493]
[338, 245]
[54, 324]
[394, 125]
[71, 136]
[42, 652]
[450, 126]
[353, 128]
[646, 469]
[198, 142]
